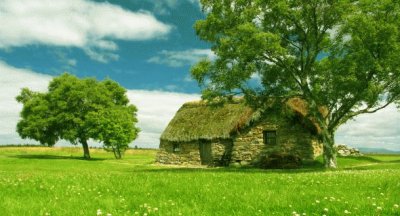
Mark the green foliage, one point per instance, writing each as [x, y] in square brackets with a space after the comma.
[115, 127]
[341, 55]
[36, 119]
[76, 110]
[70, 186]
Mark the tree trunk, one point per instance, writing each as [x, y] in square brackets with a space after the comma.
[329, 151]
[118, 155]
[115, 152]
[85, 146]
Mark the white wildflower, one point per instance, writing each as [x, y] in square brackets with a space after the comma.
[396, 206]
[347, 212]
[379, 208]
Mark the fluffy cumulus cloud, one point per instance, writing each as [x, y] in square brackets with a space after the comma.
[156, 108]
[12, 80]
[181, 58]
[377, 130]
[75, 23]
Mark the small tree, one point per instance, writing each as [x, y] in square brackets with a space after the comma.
[66, 110]
[340, 55]
[115, 128]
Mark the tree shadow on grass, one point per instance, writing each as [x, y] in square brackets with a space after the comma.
[54, 157]
[362, 158]
[185, 170]
[228, 170]
[306, 168]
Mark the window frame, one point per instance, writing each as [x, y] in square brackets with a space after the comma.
[270, 137]
[176, 148]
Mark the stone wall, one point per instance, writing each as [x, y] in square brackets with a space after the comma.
[221, 151]
[189, 153]
[291, 139]
[247, 147]
[345, 151]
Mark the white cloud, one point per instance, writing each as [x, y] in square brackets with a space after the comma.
[75, 23]
[68, 63]
[181, 58]
[100, 55]
[11, 81]
[156, 108]
[162, 7]
[380, 129]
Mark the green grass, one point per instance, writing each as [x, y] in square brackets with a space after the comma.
[36, 181]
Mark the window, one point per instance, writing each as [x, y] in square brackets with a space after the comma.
[176, 148]
[269, 137]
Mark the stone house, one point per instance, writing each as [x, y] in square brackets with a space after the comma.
[233, 133]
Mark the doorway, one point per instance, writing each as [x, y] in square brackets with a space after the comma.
[205, 152]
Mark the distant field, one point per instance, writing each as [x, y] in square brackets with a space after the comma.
[55, 181]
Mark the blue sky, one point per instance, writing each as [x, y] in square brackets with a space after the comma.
[147, 46]
[158, 61]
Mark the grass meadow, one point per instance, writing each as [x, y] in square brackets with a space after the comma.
[56, 181]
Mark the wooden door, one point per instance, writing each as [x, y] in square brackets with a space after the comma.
[205, 152]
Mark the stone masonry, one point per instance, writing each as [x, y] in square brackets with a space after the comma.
[249, 145]
[246, 147]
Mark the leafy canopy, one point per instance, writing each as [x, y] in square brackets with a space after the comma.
[76, 110]
[339, 54]
[342, 55]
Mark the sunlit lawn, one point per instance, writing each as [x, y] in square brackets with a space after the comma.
[40, 181]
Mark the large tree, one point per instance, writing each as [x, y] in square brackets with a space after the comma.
[338, 55]
[77, 110]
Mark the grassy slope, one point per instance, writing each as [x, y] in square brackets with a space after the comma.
[36, 181]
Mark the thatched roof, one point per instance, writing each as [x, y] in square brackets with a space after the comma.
[197, 120]
[300, 107]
